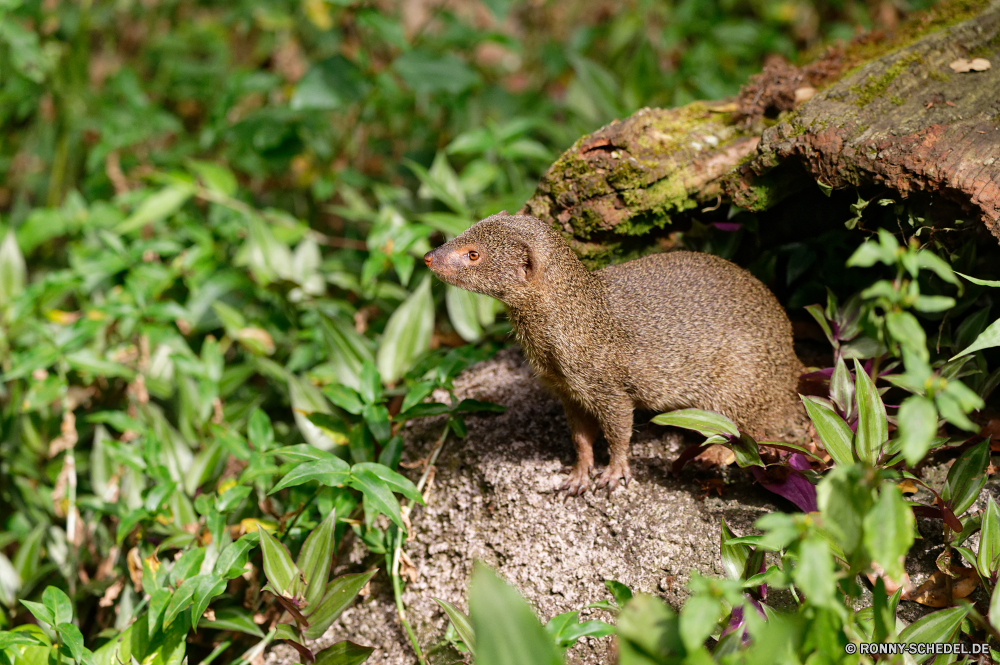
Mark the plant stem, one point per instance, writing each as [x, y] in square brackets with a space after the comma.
[215, 652]
[397, 581]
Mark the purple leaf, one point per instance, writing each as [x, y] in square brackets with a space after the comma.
[736, 620]
[728, 226]
[796, 488]
[819, 374]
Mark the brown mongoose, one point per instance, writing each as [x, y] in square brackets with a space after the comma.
[667, 331]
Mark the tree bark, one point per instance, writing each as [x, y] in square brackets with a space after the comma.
[890, 111]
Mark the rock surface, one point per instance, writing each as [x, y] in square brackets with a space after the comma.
[494, 498]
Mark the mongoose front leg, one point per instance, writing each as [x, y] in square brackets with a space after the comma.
[584, 428]
[616, 421]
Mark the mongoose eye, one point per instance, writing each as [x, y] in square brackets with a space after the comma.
[473, 255]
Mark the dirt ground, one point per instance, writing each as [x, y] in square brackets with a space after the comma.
[494, 499]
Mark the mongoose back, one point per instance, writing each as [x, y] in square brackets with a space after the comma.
[667, 331]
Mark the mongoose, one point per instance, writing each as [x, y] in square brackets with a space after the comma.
[667, 331]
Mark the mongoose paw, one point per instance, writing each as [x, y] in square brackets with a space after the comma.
[578, 481]
[613, 474]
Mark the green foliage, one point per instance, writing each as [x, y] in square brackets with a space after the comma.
[213, 316]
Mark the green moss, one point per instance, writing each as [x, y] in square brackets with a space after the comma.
[942, 15]
[874, 86]
[940, 77]
[897, 100]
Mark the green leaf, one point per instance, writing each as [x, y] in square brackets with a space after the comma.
[395, 481]
[371, 383]
[330, 84]
[301, 452]
[187, 565]
[463, 312]
[339, 594]
[889, 527]
[986, 340]
[930, 261]
[995, 608]
[844, 499]
[232, 497]
[377, 493]
[233, 558]
[873, 428]
[181, 600]
[40, 612]
[966, 478]
[734, 556]
[344, 653]
[699, 617]
[329, 471]
[648, 633]
[13, 270]
[815, 572]
[232, 618]
[461, 623]
[281, 572]
[29, 553]
[158, 601]
[73, 639]
[940, 626]
[259, 430]
[572, 633]
[422, 411]
[86, 361]
[59, 604]
[746, 451]
[906, 330]
[706, 423]
[621, 593]
[216, 177]
[477, 406]
[232, 320]
[507, 631]
[407, 334]
[428, 73]
[344, 397]
[918, 424]
[207, 587]
[981, 282]
[989, 544]
[157, 207]
[818, 313]
[842, 390]
[315, 558]
[835, 434]
[933, 303]
[417, 394]
[377, 418]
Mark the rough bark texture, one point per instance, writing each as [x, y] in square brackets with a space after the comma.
[629, 177]
[899, 117]
[905, 121]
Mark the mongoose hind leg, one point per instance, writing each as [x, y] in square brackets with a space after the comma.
[584, 428]
[615, 416]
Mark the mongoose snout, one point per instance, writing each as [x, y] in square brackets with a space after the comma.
[664, 332]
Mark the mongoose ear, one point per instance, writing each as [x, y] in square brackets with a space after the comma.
[530, 266]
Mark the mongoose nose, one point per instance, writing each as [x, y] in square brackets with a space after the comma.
[429, 258]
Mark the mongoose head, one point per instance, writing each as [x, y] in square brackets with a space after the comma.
[504, 256]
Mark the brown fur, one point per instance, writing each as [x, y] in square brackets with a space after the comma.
[668, 331]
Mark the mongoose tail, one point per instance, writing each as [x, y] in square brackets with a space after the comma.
[668, 331]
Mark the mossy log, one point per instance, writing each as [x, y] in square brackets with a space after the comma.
[886, 110]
